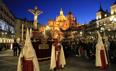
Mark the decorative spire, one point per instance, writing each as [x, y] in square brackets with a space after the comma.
[61, 12]
[100, 9]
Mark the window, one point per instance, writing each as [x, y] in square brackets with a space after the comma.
[6, 27]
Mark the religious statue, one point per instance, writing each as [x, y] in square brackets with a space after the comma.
[35, 12]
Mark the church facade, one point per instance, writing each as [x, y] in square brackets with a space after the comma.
[63, 22]
[7, 24]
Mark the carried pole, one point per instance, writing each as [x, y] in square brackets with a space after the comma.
[22, 32]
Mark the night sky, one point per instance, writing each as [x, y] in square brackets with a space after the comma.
[83, 10]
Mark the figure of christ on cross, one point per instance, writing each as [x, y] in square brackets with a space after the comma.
[35, 12]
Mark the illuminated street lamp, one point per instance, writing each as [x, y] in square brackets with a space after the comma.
[2, 33]
[102, 29]
[81, 33]
[109, 29]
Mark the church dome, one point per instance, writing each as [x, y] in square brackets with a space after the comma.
[61, 17]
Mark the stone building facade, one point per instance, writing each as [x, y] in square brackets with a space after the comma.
[7, 25]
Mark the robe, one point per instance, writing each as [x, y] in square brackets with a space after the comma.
[57, 57]
[28, 60]
[101, 57]
[27, 64]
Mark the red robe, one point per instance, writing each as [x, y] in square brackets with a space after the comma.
[57, 53]
[27, 59]
[27, 65]
[57, 57]
[101, 57]
[104, 65]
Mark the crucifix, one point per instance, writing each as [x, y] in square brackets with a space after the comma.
[35, 12]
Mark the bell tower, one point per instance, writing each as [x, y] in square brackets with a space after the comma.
[113, 8]
[101, 13]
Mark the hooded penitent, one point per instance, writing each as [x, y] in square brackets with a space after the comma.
[27, 59]
[101, 58]
[57, 54]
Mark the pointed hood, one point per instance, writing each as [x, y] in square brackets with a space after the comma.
[99, 37]
[28, 52]
[28, 48]
[99, 41]
[101, 58]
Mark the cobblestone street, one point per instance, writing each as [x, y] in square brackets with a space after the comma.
[9, 63]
